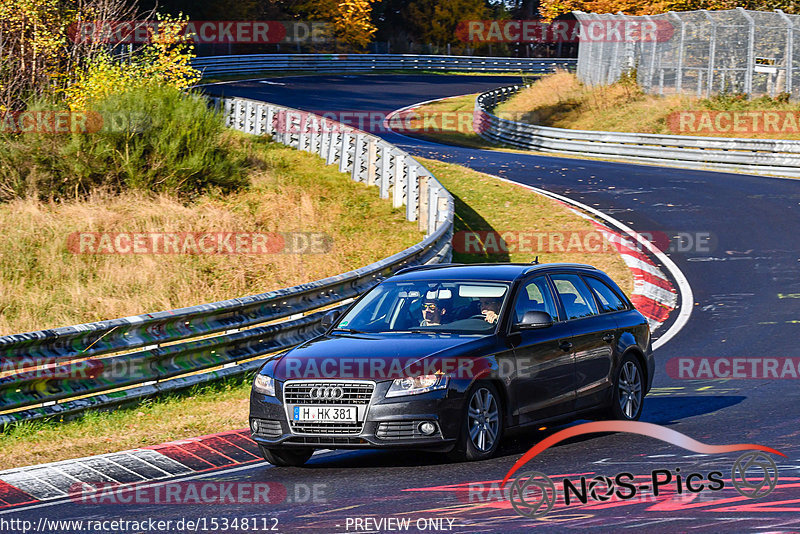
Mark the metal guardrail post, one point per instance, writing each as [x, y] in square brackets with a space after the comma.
[344, 152]
[358, 160]
[372, 160]
[386, 170]
[411, 193]
[398, 194]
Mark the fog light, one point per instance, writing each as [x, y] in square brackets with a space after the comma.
[254, 426]
[427, 428]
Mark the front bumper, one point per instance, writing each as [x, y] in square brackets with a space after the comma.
[387, 423]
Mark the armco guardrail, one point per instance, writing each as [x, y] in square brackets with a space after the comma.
[109, 362]
[755, 156]
[249, 64]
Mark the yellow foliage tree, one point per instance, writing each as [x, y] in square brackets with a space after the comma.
[351, 19]
[165, 60]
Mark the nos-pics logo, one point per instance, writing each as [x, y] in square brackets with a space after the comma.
[533, 494]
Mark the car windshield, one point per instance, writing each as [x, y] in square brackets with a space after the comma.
[428, 306]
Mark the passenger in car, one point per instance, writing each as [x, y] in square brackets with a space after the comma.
[490, 308]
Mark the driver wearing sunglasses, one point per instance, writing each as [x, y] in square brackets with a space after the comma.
[432, 313]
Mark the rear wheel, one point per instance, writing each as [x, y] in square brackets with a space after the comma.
[482, 424]
[286, 457]
[628, 396]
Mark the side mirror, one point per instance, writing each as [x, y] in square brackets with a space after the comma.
[329, 318]
[533, 320]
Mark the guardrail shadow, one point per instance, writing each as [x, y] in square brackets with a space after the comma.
[468, 220]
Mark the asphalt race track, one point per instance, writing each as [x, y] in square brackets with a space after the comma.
[747, 305]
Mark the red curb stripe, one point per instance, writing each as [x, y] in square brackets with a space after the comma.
[182, 456]
[244, 442]
[11, 495]
[650, 308]
[228, 449]
[639, 274]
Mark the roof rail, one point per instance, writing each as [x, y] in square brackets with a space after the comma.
[543, 265]
[425, 267]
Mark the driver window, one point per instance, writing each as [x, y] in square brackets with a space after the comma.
[535, 296]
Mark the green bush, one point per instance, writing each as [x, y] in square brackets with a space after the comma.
[155, 139]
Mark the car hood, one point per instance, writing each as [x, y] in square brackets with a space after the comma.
[381, 356]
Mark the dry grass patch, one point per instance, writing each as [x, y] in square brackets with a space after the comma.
[44, 285]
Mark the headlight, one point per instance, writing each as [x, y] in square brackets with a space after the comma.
[264, 384]
[416, 385]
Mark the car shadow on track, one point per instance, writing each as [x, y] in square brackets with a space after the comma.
[658, 410]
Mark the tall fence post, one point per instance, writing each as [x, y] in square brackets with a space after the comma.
[712, 50]
[679, 67]
[789, 49]
[751, 42]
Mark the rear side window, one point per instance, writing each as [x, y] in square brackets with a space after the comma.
[535, 296]
[575, 296]
[607, 297]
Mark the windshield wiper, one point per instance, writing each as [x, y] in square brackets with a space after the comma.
[348, 331]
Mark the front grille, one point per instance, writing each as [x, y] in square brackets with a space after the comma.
[402, 430]
[353, 392]
[327, 428]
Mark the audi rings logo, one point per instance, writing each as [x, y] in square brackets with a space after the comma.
[533, 494]
[754, 475]
[326, 393]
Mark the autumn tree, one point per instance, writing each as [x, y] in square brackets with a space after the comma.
[351, 20]
[436, 21]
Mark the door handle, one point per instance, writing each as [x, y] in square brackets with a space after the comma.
[566, 346]
[608, 338]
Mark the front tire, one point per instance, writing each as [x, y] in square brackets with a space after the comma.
[286, 457]
[628, 395]
[482, 425]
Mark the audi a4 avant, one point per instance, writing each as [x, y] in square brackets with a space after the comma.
[450, 357]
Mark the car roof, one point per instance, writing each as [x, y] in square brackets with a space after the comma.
[499, 272]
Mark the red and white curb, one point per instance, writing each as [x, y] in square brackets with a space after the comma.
[57, 480]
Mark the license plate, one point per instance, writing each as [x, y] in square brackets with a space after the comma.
[326, 414]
